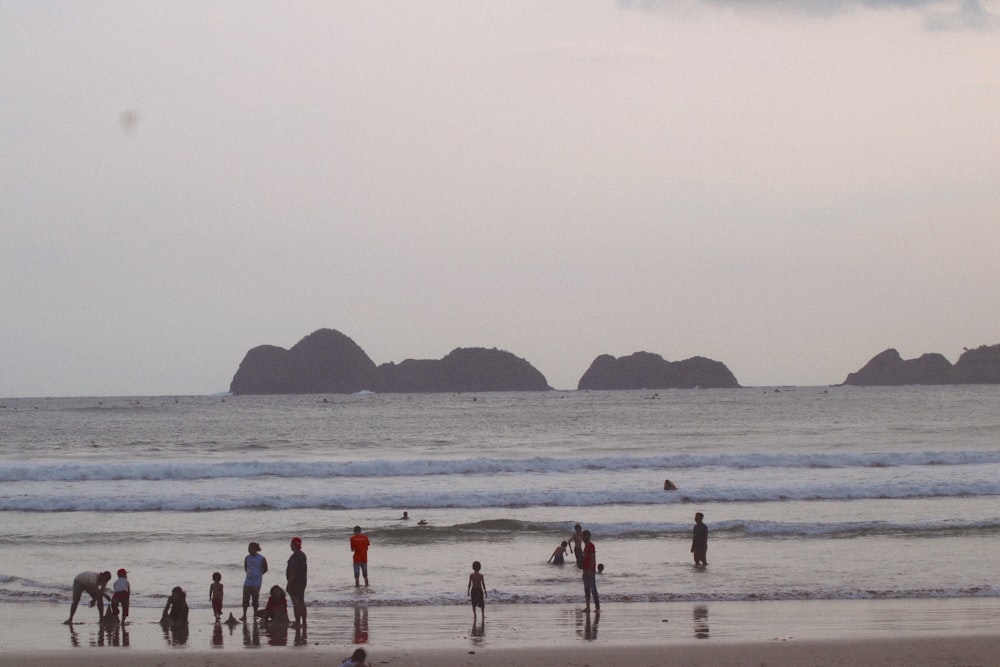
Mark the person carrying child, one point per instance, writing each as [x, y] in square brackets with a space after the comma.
[215, 595]
[477, 590]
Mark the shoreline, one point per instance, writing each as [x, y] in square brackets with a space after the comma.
[31, 629]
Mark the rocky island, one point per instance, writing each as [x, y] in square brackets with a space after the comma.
[328, 362]
[646, 370]
[888, 368]
[464, 369]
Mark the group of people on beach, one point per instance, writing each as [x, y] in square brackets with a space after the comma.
[255, 565]
[276, 608]
[586, 557]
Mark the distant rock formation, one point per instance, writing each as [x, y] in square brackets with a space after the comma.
[979, 366]
[464, 369]
[328, 362]
[324, 362]
[645, 370]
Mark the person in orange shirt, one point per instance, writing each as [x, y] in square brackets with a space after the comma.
[359, 545]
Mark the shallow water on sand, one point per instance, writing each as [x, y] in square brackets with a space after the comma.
[33, 628]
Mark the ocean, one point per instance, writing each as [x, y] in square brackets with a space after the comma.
[809, 493]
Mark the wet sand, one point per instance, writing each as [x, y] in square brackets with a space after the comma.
[857, 632]
[922, 652]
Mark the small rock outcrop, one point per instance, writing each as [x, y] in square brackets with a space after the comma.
[645, 370]
[978, 366]
[328, 362]
[464, 369]
[890, 369]
[324, 362]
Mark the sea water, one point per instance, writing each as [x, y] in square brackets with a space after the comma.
[809, 493]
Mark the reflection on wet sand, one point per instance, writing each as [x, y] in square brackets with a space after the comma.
[175, 634]
[701, 621]
[478, 632]
[360, 623]
[589, 627]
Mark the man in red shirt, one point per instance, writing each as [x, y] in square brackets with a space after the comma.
[359, 545]
[590, 572]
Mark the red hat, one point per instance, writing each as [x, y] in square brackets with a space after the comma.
[297, 540]
[122, 572]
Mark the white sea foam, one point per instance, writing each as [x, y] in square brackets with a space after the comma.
[50, 471]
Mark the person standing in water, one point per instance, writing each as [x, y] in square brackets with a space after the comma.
[699, 543]
[590, 572]
[359, 545]
[577, 539]
[255, 565]
[295, 573]
[477, 590]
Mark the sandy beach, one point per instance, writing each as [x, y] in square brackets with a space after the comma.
[858, 632]
[921, 652]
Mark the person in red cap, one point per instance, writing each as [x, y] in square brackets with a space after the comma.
[295, 573]
[120, 597]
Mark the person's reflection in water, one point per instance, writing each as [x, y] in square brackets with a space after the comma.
[217, 636]
[701, 622]
[74, 637]
[176, 634]
[277, 634]
[478, 632]
[360, 623]
[301, 636]
[125, 641]
[251, 639]
[590, 630]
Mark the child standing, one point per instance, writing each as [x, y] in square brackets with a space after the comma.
[215, 595]
[121, 593]
[477, 590]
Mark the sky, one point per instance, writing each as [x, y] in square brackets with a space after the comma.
[786, 187]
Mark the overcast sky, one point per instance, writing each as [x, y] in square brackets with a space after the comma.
[786, 187]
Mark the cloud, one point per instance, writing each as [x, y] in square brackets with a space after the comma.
[972, 15]
[940, 14]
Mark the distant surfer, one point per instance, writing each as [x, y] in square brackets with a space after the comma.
[669, 486]
[405, 517]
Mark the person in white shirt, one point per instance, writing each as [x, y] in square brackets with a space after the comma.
[121, 595]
